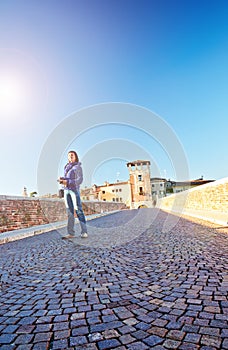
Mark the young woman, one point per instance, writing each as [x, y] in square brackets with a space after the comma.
[71, 181]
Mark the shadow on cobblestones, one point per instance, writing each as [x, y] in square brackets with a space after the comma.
[156, 290]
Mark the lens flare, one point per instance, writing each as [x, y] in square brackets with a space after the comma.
[13, 96]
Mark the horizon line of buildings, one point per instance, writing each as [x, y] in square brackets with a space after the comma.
[140, 190]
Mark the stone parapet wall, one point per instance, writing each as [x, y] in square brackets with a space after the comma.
[209, 201]
[23, 212]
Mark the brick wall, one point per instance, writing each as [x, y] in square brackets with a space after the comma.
[22, 212]
[209, 201]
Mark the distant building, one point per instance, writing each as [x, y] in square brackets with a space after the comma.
[140, 188]
[135, 193]
[115, 192]
[158, 188]
[109, 192]
[89, 193]
[25, 193]
[180, 186]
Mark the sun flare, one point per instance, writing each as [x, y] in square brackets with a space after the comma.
[12, 96]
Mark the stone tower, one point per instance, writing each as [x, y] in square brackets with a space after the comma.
[139, 172]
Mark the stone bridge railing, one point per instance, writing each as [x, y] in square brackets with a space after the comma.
[22, 212]
[208, 202]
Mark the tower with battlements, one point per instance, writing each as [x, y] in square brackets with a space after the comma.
[139, 175]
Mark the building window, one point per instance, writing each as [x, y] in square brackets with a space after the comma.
[139, 177]
[120, 190]
[113, 199]
[153, 185]
[103, 192]
[141, 191]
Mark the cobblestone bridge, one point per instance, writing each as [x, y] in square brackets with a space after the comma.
[129, 285]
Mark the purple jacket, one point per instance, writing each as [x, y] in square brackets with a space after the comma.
[73, 175]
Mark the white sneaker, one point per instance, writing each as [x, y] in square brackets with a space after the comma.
[84, 235]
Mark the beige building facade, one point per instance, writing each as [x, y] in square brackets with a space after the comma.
[115, 192]
[109, 192]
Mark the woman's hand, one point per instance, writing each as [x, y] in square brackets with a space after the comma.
[62, 181]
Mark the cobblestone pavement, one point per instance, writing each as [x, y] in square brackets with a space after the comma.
[160, 290]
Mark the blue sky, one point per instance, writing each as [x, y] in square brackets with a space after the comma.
[59, 57]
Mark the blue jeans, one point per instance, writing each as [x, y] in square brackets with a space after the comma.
[73, 204]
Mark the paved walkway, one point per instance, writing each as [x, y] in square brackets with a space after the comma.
[155, 290]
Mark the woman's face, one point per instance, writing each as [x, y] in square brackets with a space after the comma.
[71, 157]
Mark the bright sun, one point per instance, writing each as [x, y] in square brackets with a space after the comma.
[12, 96]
